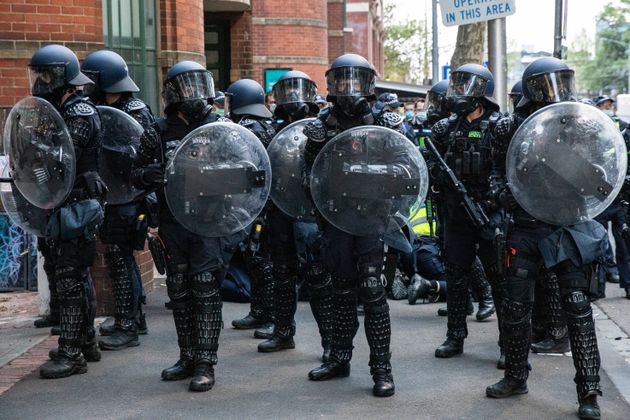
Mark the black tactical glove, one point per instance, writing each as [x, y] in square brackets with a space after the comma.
[153, 174]
[95, 186]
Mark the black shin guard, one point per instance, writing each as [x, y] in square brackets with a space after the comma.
[557, 323]
[72, 311]
[457, 281]
[345, 322]
[321, 301]
[285, 299]
[120, 272]
[207, 317]
[516, 338]
[583, 343]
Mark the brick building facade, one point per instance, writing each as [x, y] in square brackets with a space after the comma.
[257, 39]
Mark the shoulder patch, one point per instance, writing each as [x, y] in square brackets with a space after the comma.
[390, 120]
[246, 122]
[133, 104]
[79, 109]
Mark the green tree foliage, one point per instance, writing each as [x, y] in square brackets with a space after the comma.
[404, 49]
[609, 69]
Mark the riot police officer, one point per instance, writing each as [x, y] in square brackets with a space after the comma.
[55, 76]
[354, 262]
[295, 93]
[465, 141]
[196, 264]
[516, 94]
[245, 105]
[545, 81]
[121, 228]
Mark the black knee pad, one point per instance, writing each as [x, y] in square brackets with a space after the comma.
[177, 284]
[576, 303]
[204, 285]
[571, 277]
[68, 281]
[372, 292]
[370, 264]
[515, 312]
[283, 272]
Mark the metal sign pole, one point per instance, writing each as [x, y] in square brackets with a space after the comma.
[497, 59]
[435, 53]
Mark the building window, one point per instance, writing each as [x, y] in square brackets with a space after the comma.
[129, 28]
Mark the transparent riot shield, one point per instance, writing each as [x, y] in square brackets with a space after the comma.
[286, 153]
[40, 152]
[566, 163]
[218, 180]
[121, 139]
[366, 179]
[28, 217]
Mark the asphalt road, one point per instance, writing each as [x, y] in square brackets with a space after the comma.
[127, 385]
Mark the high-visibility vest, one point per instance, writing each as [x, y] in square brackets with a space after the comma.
[420, 223]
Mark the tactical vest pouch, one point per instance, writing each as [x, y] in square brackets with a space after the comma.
[80, 218]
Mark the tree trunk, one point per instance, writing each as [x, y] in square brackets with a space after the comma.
[470, 46]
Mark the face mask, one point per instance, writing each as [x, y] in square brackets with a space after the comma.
[462, 105]
[609, 112]
[194, 109]
[220, 112]
[272, 108]
[409, 115]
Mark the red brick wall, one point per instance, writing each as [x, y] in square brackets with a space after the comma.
[278, 42]
[241, 60]
[182, 35]
[27, 25]
[103, 284]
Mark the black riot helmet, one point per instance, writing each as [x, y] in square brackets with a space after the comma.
[435, 104]
[246, 97]
[189, 89]
[109, 72]
[52, 70]
[516, 94]
[470, 85]
[295, 95]
[351, 82]
[548, 80]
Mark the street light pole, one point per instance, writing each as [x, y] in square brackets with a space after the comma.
[497, 59]
[435, 54]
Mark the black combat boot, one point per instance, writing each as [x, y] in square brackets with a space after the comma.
[203, 378]
[381, 371]
[589, 409]
[184, 367]
[329, 370]
[265, 332]
[421, 289]
[552, 346]
[345, 325]
[516, 337]
[261, 273]
[285, 300]
[72, 310]
[458, 298]
[481, 287]
[125, 332]
[207, 320]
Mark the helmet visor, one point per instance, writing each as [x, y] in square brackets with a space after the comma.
[289, 91]
[187, 86]
[45, 79]
[350, 81]
[466, 84]
[433, 101]
[551, 87]
[515, 98]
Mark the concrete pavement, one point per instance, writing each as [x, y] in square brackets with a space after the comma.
[126, 384]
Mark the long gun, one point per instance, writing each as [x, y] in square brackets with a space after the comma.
[474, 211]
